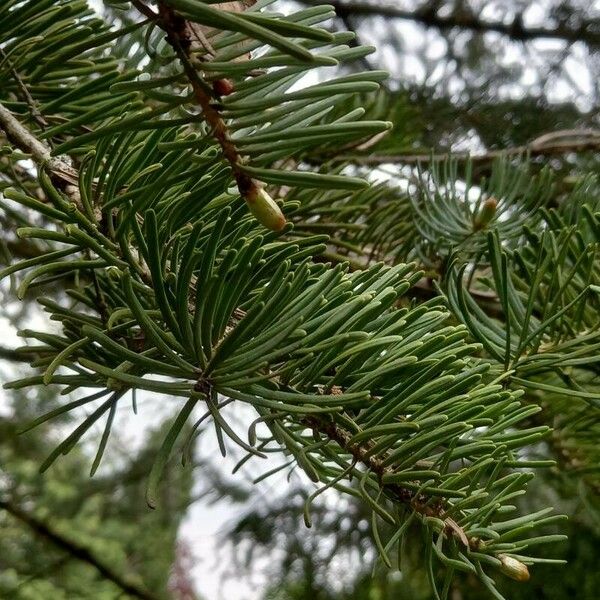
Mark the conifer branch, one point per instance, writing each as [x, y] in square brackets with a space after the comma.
[426, 506]
[200, 300]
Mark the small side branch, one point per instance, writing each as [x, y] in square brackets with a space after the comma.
[23, 139]
[552, 144]
[33, 108]
[179, 35]
[361, 454]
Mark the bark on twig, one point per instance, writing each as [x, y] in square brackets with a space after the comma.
[23, 139]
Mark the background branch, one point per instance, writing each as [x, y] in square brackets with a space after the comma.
[555, 143]
[514, 30]
[77, 551]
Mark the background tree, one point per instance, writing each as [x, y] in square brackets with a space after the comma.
[65, 535]
[426, 390]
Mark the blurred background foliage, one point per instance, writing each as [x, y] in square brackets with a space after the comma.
[65, 535]
[466, 75]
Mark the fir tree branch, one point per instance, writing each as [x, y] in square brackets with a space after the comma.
[179, 35]
[26, 141]
[211, 347]
[44, 530]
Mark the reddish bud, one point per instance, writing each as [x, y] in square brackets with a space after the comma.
[223, 87]
[486, 213]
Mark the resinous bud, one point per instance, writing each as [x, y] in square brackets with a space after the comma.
[486, 213]
[514, 568]
[265, 209]
[223, 87]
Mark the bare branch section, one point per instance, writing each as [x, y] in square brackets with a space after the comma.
[44, 530]
[551, 144]
[23, 138]
[25, 141]
[514, 30]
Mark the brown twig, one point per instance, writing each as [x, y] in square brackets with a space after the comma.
[23, 139]
[180, 33]
[33, 108]
[420, 503]
[246, 185]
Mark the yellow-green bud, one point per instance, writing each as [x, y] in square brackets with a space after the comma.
[513, 568]
[486, 213]
[265, 209]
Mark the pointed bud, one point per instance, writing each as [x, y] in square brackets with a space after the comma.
[223, 87]
[513, 568]
[265, 209]
[486, 213]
